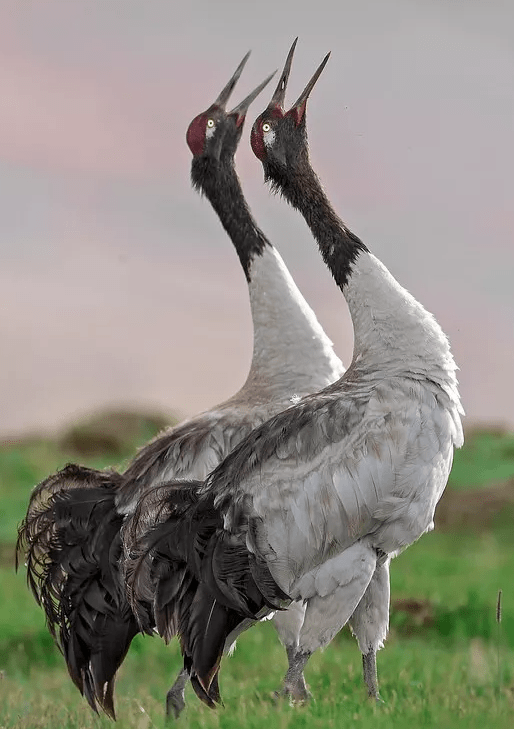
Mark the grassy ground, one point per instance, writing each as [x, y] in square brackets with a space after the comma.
[445, 664]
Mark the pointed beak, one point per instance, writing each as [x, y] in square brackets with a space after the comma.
[222, 99]
[279, 96]
[239, 112]
[298, 109]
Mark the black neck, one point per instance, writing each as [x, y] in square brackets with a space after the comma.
[220, 184]
[302, 189]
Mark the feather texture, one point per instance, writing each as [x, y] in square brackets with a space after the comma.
[314, 502]
[71, 538]
[205, 584]
[77, 548]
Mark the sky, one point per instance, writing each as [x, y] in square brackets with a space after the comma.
[119, 287]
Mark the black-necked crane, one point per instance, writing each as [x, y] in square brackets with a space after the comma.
[78, 518]
[312, 505]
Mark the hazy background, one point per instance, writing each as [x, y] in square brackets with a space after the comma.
[118, 285]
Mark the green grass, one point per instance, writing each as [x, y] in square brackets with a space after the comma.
[425, 682]
[487, 457]
[438, 669]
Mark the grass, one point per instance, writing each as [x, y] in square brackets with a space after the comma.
[438, 668]
[487, 457]
[425, 682]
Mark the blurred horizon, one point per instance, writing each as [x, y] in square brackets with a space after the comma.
[119, 287]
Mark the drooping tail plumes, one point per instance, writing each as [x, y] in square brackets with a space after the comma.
[157, 569]
[72, 544]
[206, 585]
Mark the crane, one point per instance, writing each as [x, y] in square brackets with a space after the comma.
[313, 504]
[79, 524]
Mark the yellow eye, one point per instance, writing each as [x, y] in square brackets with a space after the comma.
[210, 123]
[266, 127]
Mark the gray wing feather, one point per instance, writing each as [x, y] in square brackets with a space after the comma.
[333, 470]
[190, 451]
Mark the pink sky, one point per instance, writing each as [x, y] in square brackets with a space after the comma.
[118, 284]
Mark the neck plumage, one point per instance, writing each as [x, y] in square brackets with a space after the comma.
[220, 184]
[337, 244]
[393, 333]
[291, 352]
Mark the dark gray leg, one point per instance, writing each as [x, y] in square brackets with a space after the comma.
[288, 624]
[294, 681]
[369, 666]
[370, 622]
[175, 702]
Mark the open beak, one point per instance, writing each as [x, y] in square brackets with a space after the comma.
[240, 110]
[222, 99]
[279, 96]
[298, 108]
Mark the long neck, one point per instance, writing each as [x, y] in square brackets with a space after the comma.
[292, 355]
[393, 333]
[291, 352]
[338, 245]
[220, 184]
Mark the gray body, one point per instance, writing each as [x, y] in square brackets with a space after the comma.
[357, 473]
[292, 357]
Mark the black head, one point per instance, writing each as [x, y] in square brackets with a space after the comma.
[279, 137]
[215, 133]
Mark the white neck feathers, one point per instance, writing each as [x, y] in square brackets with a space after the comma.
[291, 352]
[393, 333]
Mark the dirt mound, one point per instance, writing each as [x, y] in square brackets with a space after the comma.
[417, 612]
[113, 432]
[477, 508]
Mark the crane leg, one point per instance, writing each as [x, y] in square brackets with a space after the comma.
[175, 701]
[288, 624]
[294, 682]
[370, 623]
[338, 586]
[369, 666]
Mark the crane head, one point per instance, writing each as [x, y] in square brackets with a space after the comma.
[279, 137]
[216, 132]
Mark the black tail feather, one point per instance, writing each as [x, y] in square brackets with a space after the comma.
[213, 697]
[72, 544]
[206, 584]
[156, 569]
[204, 630]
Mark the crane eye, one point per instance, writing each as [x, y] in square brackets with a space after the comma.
[210, 123]
[266, 127]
